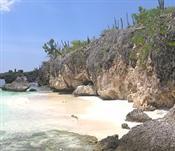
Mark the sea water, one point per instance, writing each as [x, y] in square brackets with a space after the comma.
[35, 111]
[24, 114]
[7, 110]
[2, 82]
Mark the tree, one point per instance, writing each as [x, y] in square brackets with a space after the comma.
[52, 49]
[141, 9]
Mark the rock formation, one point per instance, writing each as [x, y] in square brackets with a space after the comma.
[121, 68]
[83, 90]
[125, 126]
[154, 135]
[19, 85]
[137, 115]
[108, 144]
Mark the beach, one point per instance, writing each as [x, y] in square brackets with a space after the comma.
[34, 112]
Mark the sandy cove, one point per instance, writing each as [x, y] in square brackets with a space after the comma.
[83, 115]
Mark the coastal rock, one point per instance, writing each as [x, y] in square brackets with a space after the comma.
[125, 126]
[154, 135]
[44, 74]
[171, 114]
[19, 85]
[83, 90]
[137, 115]
[115, 66]
[108, 144]
[53, 140]
[69, 72]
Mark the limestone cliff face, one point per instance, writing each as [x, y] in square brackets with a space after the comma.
[107, 64]
[69, 72]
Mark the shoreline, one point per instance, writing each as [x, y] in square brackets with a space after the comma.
[48, 119]
[51, 110]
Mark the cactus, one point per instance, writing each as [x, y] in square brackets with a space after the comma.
[161, 4]
[88, 40]
[127, 19]
[115, 23]
[121, 20]
[133, 20]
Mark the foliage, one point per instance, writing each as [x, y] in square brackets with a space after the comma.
[32, 75]
[77, 44]
[155, 27]
[12, 75]
[54, 50]
[171, 43]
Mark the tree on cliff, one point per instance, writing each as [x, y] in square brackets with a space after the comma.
[52, 49]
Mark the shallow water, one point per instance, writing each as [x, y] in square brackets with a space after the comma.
[29, 113]
[26, 112]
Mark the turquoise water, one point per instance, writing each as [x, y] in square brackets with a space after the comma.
[4, 110]
[7, 99]
[30, 121]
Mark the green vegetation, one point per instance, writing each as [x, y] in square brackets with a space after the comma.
[155, 26]
[171, 43]
[76, 44]
[12, 75]
[53, 49]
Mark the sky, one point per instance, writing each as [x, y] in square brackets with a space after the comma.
[25, 25]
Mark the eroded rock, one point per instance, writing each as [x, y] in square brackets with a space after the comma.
[125, 126]
[112, 62]
[154, 135]
[85, 90]
[19, 85]
[137, 115]
[108, 144]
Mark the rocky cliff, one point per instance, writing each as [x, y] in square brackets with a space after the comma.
[137, 63]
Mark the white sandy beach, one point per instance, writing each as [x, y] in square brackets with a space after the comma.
[48, 111]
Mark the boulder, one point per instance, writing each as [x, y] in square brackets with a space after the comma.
[137, 115]
[154, 135]
[83, 90]
[125, 126]
[108, 144]
[19, 85]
